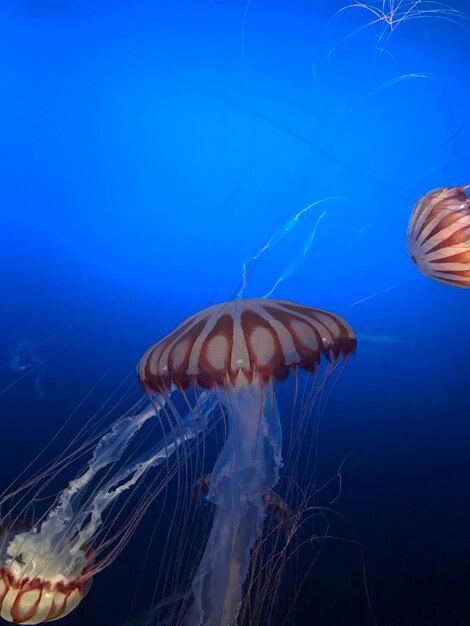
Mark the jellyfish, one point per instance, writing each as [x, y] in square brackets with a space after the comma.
[47, 565]
[439, 236]
[240, 352]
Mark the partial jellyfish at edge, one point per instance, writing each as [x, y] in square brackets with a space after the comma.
[439, 236]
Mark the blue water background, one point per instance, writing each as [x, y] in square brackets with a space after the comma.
[148, 150]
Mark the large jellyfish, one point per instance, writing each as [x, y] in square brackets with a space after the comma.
[239, 351]
[439, 236]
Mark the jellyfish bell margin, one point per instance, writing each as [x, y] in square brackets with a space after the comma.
[240, 350]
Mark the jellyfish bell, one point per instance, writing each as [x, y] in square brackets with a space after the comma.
[240, 350]
[439, 236]
[26, 596]
[238, 343]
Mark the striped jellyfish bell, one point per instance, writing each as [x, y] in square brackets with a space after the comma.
[439, 236]
[233, 343]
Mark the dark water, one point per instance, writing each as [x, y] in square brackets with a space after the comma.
[148, 150]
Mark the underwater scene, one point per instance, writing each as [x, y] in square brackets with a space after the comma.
[235, 313]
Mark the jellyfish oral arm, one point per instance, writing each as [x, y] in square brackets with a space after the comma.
[247, 468]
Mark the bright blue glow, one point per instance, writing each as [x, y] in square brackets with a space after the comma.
[149, 149]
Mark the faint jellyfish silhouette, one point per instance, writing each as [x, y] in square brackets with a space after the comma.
[199, 492]
[240, 350]
[24, 359]
[439, 236]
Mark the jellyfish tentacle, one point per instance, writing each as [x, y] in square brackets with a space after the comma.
[249, 265]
